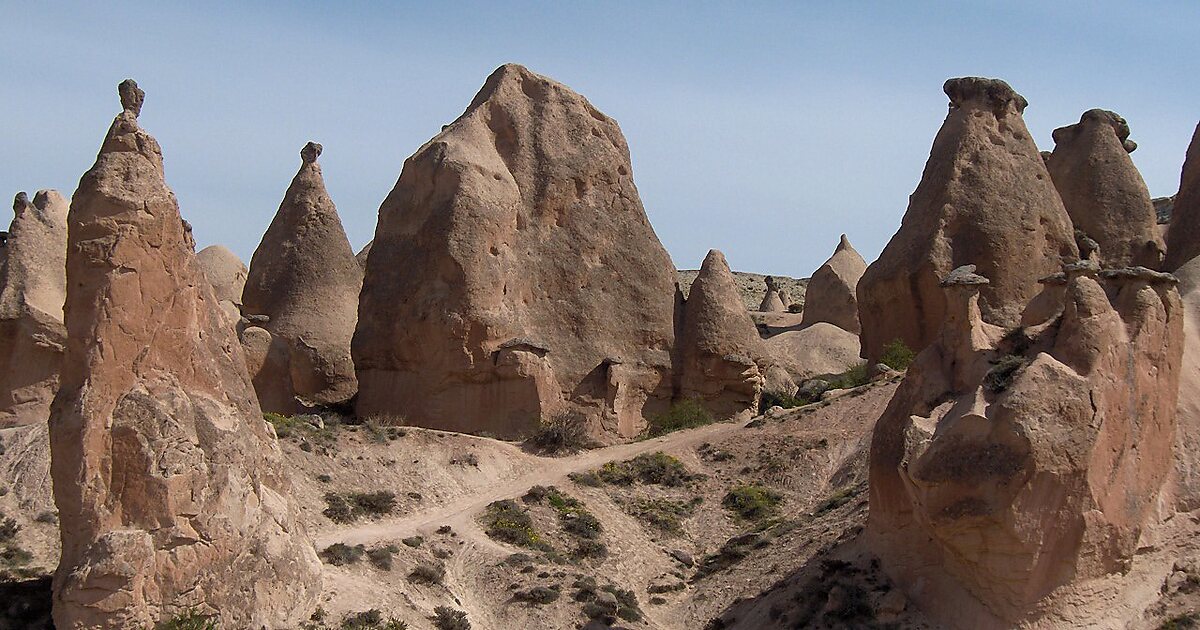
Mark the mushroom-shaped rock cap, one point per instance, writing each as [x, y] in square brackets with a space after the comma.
[20, 202]
[1053, 279]
[1098, 117]
[310, 152]
[964, 276]
[1139, 273]
[1085, 267]
[132, 96]
[995, 93]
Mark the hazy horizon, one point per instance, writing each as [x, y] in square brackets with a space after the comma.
[765, 130]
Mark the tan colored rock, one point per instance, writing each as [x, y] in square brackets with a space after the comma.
[514, 274]
[1185, 482]
[227, 275]
[772, 301]
[831, 293]
[32, 291]
[985, 198]
[1103, 192]
[305, 280]
[821, 348]
[169, 484]
[1007, 466]
[1183, 237]
[720, 348]
[362, 254]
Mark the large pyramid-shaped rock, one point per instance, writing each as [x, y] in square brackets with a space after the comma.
[1183, 237]
[227, 275]
[169, 484]
[719, 346]
[32, 291]
[305, 280]
[514, 275]
[1102, 190]
[985, 198]
[831, 295]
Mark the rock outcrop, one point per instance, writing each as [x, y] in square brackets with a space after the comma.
[1009, 464]
[32, 291]
[1185, 483]
[1103, 192]
[821, 348]
[514, 274]
[1183, 237]
[362, 254]
[227, 275]
[985, 198]
[169, 484]
[305, 280]
[720, 349]
[831, 295]
[772, 301]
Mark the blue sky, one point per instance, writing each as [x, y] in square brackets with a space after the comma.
[762, 129]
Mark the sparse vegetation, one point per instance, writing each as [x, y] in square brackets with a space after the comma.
[371, 620]
[465, 459]
[190, 619]
[428, 573]
[752, 503]
[656, 468]
[300, 429]
[508, 522]
[1003, 373]
[14, 560]
[897, 355]
[664, 515]
[413, 541]
[341, 554]
[538, 595]
[446, 618]
[348, 507]
[837, 499]
[380, 433]
[685, 414]
[1181, 622]
[779, 399]
[856, 376]
[564, 434]
[381, 557]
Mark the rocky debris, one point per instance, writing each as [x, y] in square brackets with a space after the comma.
[1009, 464]
[831, 293]
[520, 219]
[821, 348]
[772, 301]
[32, 291]
[169, 484]
[305, 279]
[1103, 192]
[1183, 237]
[227, 275]
[719, 344]
[985, 198]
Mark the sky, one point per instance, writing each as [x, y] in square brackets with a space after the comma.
[763, 129]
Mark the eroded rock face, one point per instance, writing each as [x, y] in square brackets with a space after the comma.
[1007, 465]
[720, 348]
[1103, 192]
[514, 274]
[1183, 237]
[32, 291]
[227, 275]
[831, 295]
[985, 198]
[304, 278]
[168, 482]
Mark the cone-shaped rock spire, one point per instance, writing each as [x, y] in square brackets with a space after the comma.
[831, 296]
[1183, 237]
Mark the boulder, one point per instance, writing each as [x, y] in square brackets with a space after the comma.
[831, 293]
[514, 275]
[1103, 192]
[304, 278]
[772, 301]
[821, 348]
[33, 282]
[985, 198]
[227, 275]
[1009, 465]
[720, 348]
[1183, 237]
[169, 485]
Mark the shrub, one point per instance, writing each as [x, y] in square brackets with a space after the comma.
[427, 573]
[856, 376]
[8, 528]
[296, 427]
[573, 516]
[752, 503]
[897, 355]
[381, 557]
[649, 468]
[566, 433]
[47, 517]
[773, 399]
[627, 603]
[190, 619]
[664, 515]
[413, 541]
[685, 414]
[538, 595]
[507, 522]
[372, 620]
[590, 549]
[340, 554]
[324, 478]
[587, 478]
[345, 508]
[837, 500]
[446, 618]
[465, 459]
[1003, 373]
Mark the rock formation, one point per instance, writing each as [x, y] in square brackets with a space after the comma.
[227, 275]
[1185, 483]
[362, 254]
[831, 293]
[168, 482]
[1009, 464]
[32, 291]
[304, 278]
[720, 348]
[821, 348]
[985, 198]
[514, 274]
[772, 301]
[1183, 237]
[1102, 190]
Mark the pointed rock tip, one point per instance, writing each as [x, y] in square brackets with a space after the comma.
[310, 152]
[714, 257]
[21, 201]
[132, 96]
[844, 244]
[994, 92]
[1098, 117]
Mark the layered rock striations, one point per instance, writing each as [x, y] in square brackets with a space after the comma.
[831, 296]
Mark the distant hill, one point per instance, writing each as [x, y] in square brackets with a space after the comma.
[753, 286]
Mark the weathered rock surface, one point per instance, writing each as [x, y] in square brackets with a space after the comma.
[227, 275]
[1183, 237]
[32, 291]
[1185, 483]
[305, 279]
[821, 348]
[720, 348]
[772, 301]
[985, 198]
[831, 295]
[1103, 192]
[168, 482]
[514, 274]
[362, 254]
[1007, 465]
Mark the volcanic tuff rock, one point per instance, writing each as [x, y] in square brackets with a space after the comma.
[305, 279]
[362, 254]
[227, 275]
[1007, 465]
[821, 348]
[831, 293]
[514, 274]
[1183, 238]
[167, 480]
[32, 291]
[772, 301]
[985, 198]
[1185, 484]
[1102, 190]
[719, 344]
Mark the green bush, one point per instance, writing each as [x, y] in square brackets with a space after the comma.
[348, 507]
[381, 557]
[656, 468]
[372, 620]
[507, 522]
[856, 376]
[685, 414]
[773, 399]
[427, 573]
[752, 503]
[8, 528]
[190, 619]
[897, 355]
[590, 549]
[566, 433]
[664, 515]
[446, 618]
[1003, 373]
[837, 500]
[340, 554]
